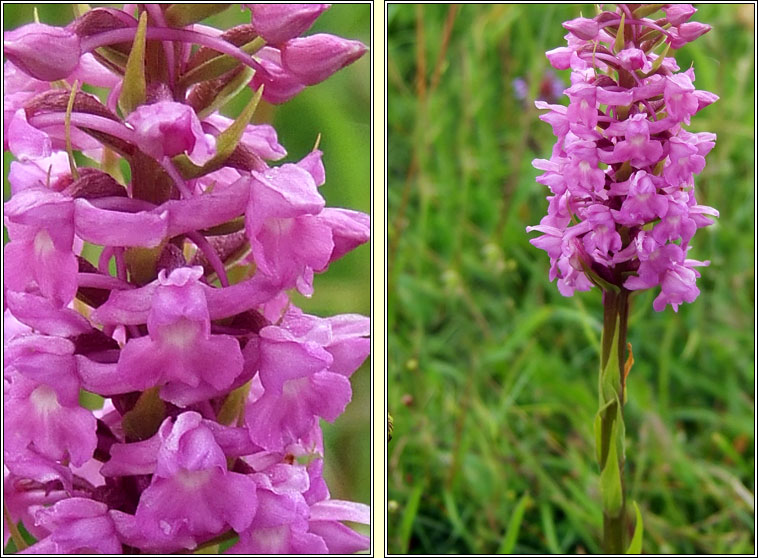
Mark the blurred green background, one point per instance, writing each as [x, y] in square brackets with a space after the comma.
[492, 373]
[339, 110]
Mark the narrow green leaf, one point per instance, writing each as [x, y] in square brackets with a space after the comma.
[179, 15]
[219, 65]
[635, 546]
[514, 526]
[548, 528]
[610, 478]
[409, 517]
[618, 45]
[226, 143]
[229, 91]
[455, 518]
[133, 90]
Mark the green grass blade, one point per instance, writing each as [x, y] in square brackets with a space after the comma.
[514, 526]
[409, 517]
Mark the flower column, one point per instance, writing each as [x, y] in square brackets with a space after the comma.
[622, 207]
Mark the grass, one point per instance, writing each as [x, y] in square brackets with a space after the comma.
[492, 373]
[339, 110]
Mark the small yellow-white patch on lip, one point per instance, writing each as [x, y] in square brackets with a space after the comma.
[193, 480]
[181, 334]
[280, 226]
[44, 400]
[43, 244]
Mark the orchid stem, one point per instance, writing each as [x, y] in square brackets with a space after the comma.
[609, 424]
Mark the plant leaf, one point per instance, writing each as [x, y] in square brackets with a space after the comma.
[133, 90]
[635, 546]
[610, 478]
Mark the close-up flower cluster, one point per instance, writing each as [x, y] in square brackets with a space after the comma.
[623, 208]
[211, 383]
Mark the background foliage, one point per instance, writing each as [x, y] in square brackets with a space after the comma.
[492, 373]
[339, 110]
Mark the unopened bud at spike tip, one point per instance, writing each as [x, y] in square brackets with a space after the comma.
[44, 52]
[314, 58]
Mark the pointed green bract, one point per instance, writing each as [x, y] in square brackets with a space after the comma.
[229, 91]
[180, 15]
[658, 61]
[133, 90]
[145, 418]
[219, 65]
[67, 130]
[231, 410]
[646, 9]
[618, 45]
[635, 546]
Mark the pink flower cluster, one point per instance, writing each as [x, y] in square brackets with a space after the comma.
[213, 383]
[622, 208]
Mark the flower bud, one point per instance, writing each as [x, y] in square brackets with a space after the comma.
[279, 84]
[687, 32]
[44, 52]
[676, 14]
[559, 58]
[583, 28]
[278, 23]
[313, 59]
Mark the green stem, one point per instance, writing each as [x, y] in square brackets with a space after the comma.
[610, 422]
